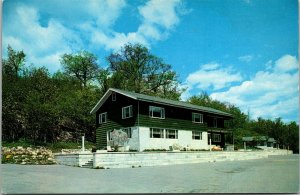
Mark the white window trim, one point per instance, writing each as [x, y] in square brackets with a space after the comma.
[113, 97]
[218, 136]
[167, 134]
[151, 133]
[193, 135]
[130, 112]
[193, 118]
[162, 113]
[100, 117]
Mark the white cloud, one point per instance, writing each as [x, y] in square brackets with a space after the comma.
[286, 63]
[42, 45]
[212, 76]
[160, 12]
[106, 12]
[56, 27]
[271, 93]
[158, 19]
[246, 58]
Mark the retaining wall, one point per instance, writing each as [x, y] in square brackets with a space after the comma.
[77, 159]
[136, 159]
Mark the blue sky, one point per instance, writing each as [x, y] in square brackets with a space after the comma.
[240, 51]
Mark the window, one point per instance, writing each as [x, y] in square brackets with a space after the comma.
[113, 97]
[127, 112]
[128, 131]
[171, 134]
[216, 137]
[215, 122]
[103, 118]
[197, 135]
[156, 133]
[156, 112]
[197, 118]
[109, 138]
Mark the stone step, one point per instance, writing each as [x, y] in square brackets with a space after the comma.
[88, 164]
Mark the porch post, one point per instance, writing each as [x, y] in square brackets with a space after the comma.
[82, 142]
[210, 143]
[245, 147]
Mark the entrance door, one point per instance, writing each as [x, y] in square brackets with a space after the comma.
[208, 137]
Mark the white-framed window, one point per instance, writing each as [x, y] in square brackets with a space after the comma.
[197, 117]
[109, 138]
[103, 118]
[197, 135]
[127, 112]
[156, 133]
[128, 131]
[113, 97]
[215, 122]
[156, 112]
[216, 137]
[171, 134]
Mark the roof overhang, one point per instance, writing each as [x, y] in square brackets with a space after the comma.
[111, 90]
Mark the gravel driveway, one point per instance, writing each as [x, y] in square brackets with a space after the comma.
[277, 174]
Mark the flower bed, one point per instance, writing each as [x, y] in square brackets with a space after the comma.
[29, 156]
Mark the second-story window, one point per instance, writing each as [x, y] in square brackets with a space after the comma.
[215, 122]
[127, 112]
[156, 112]
[102, 118]
[113, 97]
[197, 118]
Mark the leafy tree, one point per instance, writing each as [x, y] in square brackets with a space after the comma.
[82, 66]
[14, 63]
[135, 69]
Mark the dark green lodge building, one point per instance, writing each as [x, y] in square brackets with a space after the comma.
[157, 123]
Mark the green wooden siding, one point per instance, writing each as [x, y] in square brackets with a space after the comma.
[175, 118]
[114, 117]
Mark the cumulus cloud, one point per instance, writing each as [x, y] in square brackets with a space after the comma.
[286, 63]
[55, 27]
[159, 17]
[212, 76]
[43, 45]
[271, 93]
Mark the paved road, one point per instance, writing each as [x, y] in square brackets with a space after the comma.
[278, 174]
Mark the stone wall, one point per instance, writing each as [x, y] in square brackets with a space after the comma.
[77, 159]
[136, 159]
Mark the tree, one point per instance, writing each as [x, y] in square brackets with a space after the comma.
[14, 91]
[14, 63]
[135, 69]
[82, 66]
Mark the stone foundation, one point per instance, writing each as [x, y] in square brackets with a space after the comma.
[77, 159]
[139, 159]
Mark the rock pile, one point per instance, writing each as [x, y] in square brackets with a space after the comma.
[29, 156]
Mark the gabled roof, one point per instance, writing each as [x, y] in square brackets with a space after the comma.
[147, 98]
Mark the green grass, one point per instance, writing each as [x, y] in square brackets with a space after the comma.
[54, 147]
